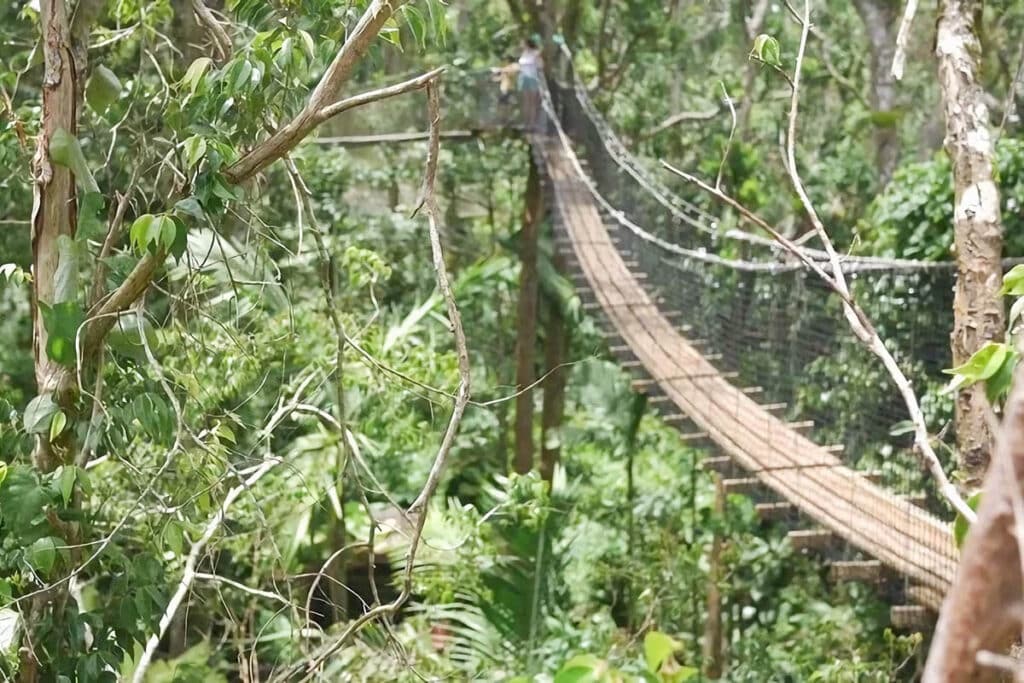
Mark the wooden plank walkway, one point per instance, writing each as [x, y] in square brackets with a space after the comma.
[901, 535]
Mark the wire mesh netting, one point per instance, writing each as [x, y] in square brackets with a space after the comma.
[771, 325]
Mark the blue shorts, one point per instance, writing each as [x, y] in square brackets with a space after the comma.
[528, 83]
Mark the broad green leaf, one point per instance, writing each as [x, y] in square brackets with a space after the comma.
[580, 669]
[985, 362]
[39, 413]
[195, 73]
[154, 415]
[190, 207]
[103, 89]
[766, 48]
[195, 149]
[61, 322]
[173, 537]
[90, 216]
[1013, 281]
[3, 472]
[66, 481]
[998, 385]
[65, 151]
[57, 424]
[241, 76]
[65, 285]
[961, 525]
[144, 232]
[308, 44]
[42, 554]
[166, 231]
[14, 273]
[657, 648]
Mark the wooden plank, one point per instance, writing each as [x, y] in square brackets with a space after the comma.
[867, 571]
[911, 618]
[776, 512]
[722, 464]
[804, 540]
[743, 486]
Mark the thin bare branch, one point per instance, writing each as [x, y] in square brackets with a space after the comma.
[899, 58]
[462, 396]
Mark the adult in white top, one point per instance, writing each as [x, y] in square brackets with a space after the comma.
[530, 65]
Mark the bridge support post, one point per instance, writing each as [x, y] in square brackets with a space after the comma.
[712, 645]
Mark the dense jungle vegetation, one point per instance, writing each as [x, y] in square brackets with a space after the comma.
[228, 355]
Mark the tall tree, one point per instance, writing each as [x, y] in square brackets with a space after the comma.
[978, 232]
[880, 19]
[526, 321]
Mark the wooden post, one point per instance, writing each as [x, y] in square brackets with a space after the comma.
[712, 645]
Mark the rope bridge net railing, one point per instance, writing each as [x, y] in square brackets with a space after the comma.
[809, 477]
[768, 322]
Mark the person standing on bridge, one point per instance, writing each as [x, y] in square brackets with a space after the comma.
[530, 65]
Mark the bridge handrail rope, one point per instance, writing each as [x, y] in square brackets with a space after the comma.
[621, 218]
[628, 162]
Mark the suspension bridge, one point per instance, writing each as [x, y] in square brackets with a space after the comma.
[746, 351]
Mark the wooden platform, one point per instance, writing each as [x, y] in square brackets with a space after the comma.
[881, 524]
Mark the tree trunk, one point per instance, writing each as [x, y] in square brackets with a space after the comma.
[977, 307]
[880, 18]
[982, 608]
[556, 350]
[712, 643]
[54, 216]
[526, 327]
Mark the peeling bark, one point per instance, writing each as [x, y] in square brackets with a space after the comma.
[879, 18]
[977, 307]
[982, 610]
[526, 324]
[54, 215]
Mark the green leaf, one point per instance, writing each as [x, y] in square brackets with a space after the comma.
[66, 482]
[14, 273]
[195, 73]
[42, 554]
[173, 537]
[1013, 281]
[167, 231]
[3, 472]
[103, 89]
[152, 232]
[961, 525]
[65, 151]
[241, 79]
[308, 44]
[154, 415]
[998, 385]
[65, 278]
[191, 207]
[985, 362]
[61, 322]
[658, 647]
[195, 150]
[39, 413]
[90, 216]
[766, 48]
[579, 669]
[57, 425]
